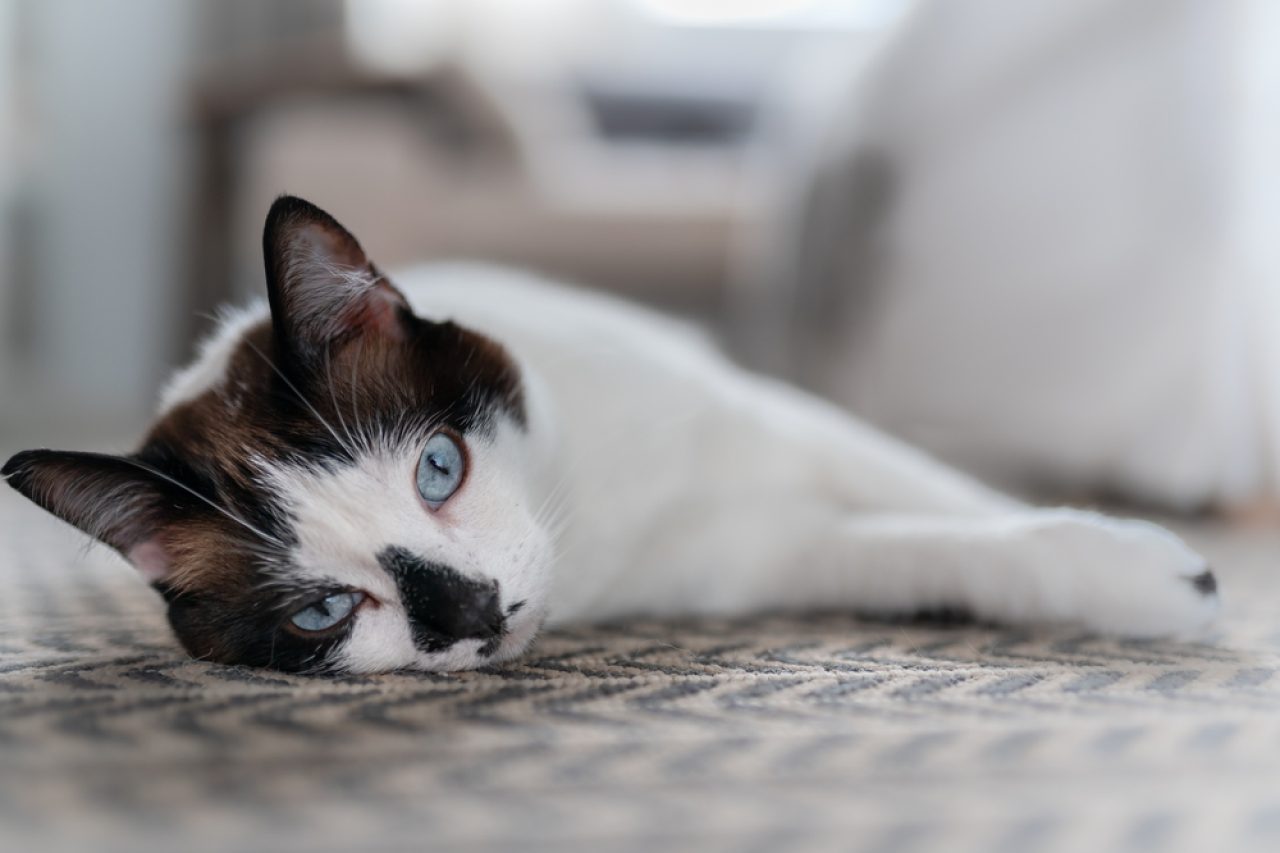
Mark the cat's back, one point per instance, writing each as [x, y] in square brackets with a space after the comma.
[583, 343]
[518, 307]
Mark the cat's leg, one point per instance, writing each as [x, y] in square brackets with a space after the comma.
[1032, 566]
[788, 502]
[1068, 566]
[904, 533]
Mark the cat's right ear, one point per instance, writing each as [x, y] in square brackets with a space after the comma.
[114, 499]
[322, 288]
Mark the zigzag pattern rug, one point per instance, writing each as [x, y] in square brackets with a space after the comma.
[797, 733]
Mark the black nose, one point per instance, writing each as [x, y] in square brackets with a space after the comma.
[443, 604]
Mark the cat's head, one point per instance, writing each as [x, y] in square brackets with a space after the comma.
[340, 487]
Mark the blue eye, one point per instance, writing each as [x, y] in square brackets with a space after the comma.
[440, 469]
[328, 612]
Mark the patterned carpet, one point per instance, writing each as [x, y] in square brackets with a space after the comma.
[818, 733]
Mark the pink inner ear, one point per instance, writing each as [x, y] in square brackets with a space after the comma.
[150, 559]
[376, 311]
[335, 245]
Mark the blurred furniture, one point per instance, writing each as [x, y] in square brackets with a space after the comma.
[624, 144]
[630, 190]
[597, 142]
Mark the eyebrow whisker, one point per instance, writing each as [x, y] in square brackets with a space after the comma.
[349, 450]
[223, 510]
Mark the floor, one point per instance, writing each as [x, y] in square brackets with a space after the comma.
[813, 733]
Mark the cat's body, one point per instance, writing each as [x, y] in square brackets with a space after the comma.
[601, 461]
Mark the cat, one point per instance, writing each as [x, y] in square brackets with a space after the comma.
[361, 477]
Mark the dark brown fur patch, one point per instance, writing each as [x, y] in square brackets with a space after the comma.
[369, 389]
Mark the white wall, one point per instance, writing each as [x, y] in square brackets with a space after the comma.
[106, 82]
[7, 179]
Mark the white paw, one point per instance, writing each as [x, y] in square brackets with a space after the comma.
[1124, 577]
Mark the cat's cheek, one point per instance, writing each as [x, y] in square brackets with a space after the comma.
[379, 641]
[518, 641]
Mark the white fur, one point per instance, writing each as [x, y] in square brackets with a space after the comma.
[488, 529]
[681, 484]
[210, 367]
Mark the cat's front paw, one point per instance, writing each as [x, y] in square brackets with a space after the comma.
[1131, 577]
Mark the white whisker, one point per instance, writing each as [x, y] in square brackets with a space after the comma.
[224, 511]
[303, 399]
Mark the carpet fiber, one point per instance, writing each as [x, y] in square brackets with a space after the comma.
[813, 733]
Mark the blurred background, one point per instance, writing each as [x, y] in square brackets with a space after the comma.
[1038, 239]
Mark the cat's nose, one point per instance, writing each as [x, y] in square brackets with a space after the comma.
[467, 614]
[443, 604]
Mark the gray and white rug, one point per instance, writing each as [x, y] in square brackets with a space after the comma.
[797, 733]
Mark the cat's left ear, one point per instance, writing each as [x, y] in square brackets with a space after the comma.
[115, 499]
[323, 290]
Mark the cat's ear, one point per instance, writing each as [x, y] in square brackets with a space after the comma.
[114, 499]
[322, 288]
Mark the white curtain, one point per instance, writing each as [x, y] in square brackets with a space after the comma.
[1077, 268]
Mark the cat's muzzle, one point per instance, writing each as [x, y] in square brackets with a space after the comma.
[444, 605]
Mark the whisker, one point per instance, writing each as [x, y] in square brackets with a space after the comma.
[184, 487]
[355, 400]
[333, 400]
[303, 399]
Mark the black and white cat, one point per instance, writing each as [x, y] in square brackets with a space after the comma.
[368, 477]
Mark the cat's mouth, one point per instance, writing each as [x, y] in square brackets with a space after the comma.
[502, 631]
[461, 620]
[520, 627]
